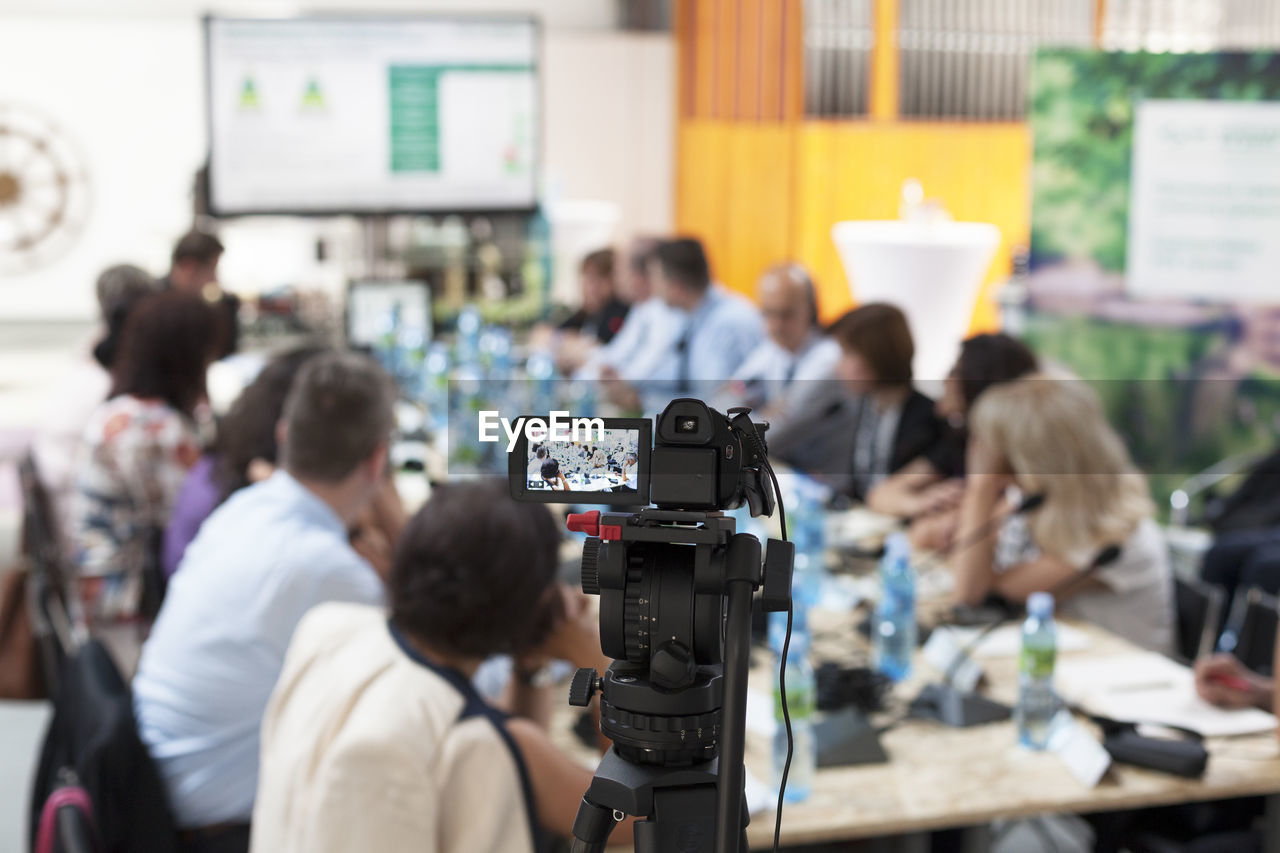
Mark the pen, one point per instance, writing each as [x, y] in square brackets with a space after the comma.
[1235, 682]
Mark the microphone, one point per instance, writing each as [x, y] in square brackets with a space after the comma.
[1105, 557]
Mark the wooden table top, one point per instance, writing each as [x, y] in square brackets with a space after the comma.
[940, 777]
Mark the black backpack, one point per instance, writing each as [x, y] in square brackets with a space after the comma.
[93, 735]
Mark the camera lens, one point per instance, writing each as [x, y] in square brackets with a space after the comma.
[686, 425]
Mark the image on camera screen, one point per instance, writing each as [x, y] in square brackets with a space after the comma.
[588, 465]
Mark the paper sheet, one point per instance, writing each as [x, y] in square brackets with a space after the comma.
[760, 713]
[1148, 688]
[761, 797]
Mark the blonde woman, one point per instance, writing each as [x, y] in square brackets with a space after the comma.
[1049, 436]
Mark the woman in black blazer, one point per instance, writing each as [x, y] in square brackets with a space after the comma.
[868, 421]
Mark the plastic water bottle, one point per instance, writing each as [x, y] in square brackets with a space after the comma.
[540, 369]
[801, 703]
[495, 353]
[468, 340]
[806, 520]
[435, 387]
[894, 625]
[388, 350]
[1036, 701]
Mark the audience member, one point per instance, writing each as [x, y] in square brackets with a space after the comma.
[137, 449]
[1246, 527]
[635, 285]
[259, 563]
[1050, 437]
[778, 371]
[87, 384]
[534, 470]
[552, 474]
[243, 453]
[367, 705]
[649, 323]
[193, 269]
[870, 421]
[602, 313]
[717, 330]
[931, 485]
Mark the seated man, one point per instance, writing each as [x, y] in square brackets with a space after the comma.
[602, 313]
[648, 324]
[795, 355]
[375, 738]
[715, 331]
[260, 561]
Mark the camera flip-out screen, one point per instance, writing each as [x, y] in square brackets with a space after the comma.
[604, 462]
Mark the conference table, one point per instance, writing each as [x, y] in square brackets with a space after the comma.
[947, 778]
[939, 777]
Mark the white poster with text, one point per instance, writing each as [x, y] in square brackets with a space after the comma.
[1204, 203]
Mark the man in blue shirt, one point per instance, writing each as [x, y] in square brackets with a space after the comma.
[258, 564]
[712, 331]
[796, 356]
[650, 324]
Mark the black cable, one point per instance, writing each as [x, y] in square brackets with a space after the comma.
[758, 443]
[782, 671]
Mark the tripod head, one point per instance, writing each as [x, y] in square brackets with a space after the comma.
[662, 578]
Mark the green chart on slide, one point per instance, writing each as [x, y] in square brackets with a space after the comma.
[415, 111]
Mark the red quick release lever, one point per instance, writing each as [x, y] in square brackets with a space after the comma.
[585, 522]
[589, 523]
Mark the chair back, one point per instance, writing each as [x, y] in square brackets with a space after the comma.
[1257, 641]
[1199, 612]
[57, 621]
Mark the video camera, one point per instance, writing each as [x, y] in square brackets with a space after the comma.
[702, 460]
[675, 583]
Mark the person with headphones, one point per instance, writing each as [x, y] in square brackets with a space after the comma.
[794, 355]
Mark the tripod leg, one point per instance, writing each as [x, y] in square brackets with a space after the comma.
[591, 828]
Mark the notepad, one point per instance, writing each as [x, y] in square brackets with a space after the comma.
[1145, 687]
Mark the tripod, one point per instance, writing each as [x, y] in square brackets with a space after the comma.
[675, 613]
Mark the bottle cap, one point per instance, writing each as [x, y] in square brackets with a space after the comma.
[1040, 605]
[897, 547]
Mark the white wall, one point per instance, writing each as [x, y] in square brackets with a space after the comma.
[129, 91]
[610, 123]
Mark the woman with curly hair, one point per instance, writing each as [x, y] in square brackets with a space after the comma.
[375, 738]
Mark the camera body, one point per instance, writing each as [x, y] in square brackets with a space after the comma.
[697, 459]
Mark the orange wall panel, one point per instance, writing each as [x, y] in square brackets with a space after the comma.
[736, 194]
[702, 177]
[758, 206]
[848, 170]
[761, 184]
[750, 59]
[760, 194]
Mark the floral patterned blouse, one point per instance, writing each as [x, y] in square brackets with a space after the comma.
[134, 458]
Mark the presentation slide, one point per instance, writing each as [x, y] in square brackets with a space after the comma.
[351, 115]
